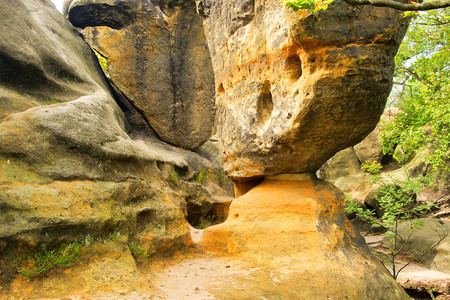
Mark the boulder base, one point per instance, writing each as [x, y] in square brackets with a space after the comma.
[295, 226]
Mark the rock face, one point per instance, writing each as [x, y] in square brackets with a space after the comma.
[421, 241]
[69, 171]
[158, 58]
[294, 225]
[293, 88]
[36, 73]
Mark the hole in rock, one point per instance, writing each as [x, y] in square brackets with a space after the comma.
[264, 106]
[100, 15]
[204, 216]
[146, 219]
[289, 116]
[236, 216]
[293, 67]
[419, 294]
[242, 187]
[220, 90]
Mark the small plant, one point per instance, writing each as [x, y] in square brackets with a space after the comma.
[211, 174]
[174, 177]
[50, 101]
[113, 236]
[396, 201]
[372, 167]
[203, 174]
[89, 240]
[138, 251]
[310, 5]
[47, 261]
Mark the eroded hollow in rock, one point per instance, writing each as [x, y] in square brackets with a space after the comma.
[293, 67]
[99, 15]
[215, 214]
[264, 106]
[145, 218]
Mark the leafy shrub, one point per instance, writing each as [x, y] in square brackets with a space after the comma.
[372, 167]
[310, 5]
[397, 202]
[46, 261]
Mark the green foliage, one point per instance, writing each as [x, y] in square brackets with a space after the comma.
[113, 236]
[46, 261]
[397, 202]
[422, 91]
[173, 177]
[50, 101]
[372, 167]
[310, 5]
[412, 14]
[101, 60]
[138, 251]
[217, 175]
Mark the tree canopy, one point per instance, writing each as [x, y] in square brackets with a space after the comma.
[422, 89]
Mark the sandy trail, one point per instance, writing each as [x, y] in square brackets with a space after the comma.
[200, 278]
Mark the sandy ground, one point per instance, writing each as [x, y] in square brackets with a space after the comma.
[195, 278]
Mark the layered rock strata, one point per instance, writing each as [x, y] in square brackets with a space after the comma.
[294, 225]
[158, 58]
[295, 88]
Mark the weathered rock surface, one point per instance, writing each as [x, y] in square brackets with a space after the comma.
[158, 58]
[69, 171]
[294, 224]
[38, 67]
[420, 243]
[294, 88]
[343, 163]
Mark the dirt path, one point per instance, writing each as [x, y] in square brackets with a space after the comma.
[199, 278]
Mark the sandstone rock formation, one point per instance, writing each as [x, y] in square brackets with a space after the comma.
[69, 171]
[294, 225]
[158, 58]
[294, 88]
[421, 240]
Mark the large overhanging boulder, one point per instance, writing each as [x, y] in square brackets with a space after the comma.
[158, 58]
[295, 88]
[292, 90]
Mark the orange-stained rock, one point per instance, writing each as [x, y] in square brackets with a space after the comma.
[294, 224]
[158, 58]
[294, 88]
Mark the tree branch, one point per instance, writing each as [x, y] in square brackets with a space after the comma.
[402, 6]
[416, 76]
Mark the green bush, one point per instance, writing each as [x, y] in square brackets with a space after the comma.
[47, 261]
[372, 167]
[397, 202]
